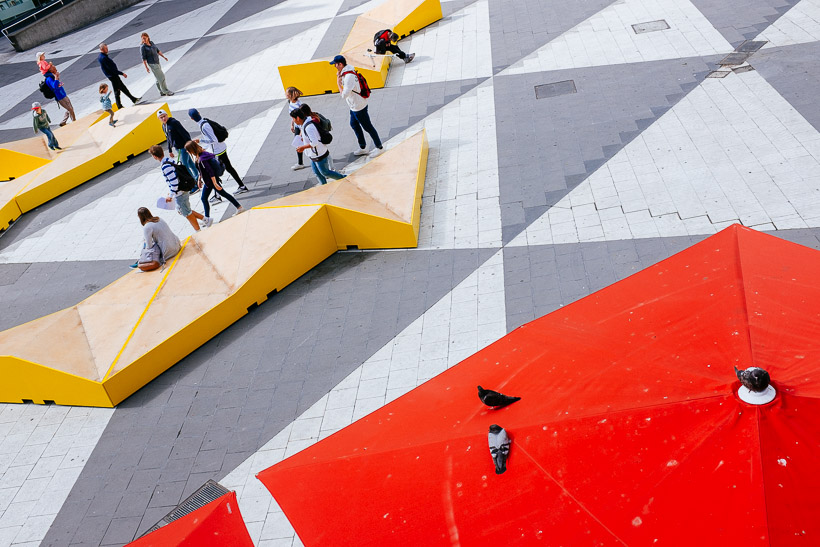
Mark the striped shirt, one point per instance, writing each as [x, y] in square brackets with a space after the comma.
[170, 173]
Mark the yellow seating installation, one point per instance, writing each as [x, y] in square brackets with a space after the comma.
[33, 174]
[403, 16]
[108, 346]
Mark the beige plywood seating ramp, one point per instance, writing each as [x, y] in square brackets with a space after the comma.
[404, 17]
[108, 346]
[90, 148]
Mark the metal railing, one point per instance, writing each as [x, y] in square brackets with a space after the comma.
[45, 10]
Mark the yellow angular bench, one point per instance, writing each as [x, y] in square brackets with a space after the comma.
[405, 17]
[108, 346]
[89, 149]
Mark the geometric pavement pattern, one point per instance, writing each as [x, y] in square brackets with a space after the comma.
[529, 204]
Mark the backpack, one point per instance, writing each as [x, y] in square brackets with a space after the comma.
[363, 87]
[324, 122]
[219, 130]
[216, 166]
[324, 135]
[47, 92]
[185, 182]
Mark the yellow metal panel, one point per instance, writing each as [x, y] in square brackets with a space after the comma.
[27, 381]
[311, 78]
[426, 13]
[364, 231]
[16, 164]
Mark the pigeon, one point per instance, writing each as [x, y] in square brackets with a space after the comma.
[753, 378]
[499, 447]
[494, 398]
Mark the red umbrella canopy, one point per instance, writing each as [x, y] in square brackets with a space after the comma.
[217, 524]
[629, 431]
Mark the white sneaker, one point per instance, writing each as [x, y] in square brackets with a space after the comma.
[207, 222]
[298, 166]
[376, 152]
[361, 152]
[240, 210]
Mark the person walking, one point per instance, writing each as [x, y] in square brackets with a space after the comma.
[156, 231]
[177, 136]
[150, 58]
[61, 97]
[317, 151]
[385, 40]
[41, 124]
[105, 101]
[294, 102]
[109, 68]
[351, 91]
[178, 192]
[218, 148]
[209, 180]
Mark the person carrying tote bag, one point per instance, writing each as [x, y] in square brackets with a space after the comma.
[161, 243]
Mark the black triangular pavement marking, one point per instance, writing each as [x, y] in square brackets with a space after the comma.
[519, 27]
[156, 14]
[242, 10]
[739, 20]
[575, 134]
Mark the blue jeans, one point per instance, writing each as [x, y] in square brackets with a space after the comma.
[52, 140]
[185, 159]
[359, 120]
[323, 171]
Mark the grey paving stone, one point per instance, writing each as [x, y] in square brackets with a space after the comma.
[792, 71]
[242, 10]
[121, 531]
[570, 136]
[739, 20]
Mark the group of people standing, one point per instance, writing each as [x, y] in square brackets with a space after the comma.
[52, 85]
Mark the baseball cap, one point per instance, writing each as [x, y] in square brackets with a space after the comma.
[338, 59]
[160, 112]
[40, 54]
[35, 105]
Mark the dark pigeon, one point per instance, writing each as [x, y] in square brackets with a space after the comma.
[499, 447]
[753, 378]
[494, 398]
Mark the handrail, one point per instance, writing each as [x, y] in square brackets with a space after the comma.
[35, 14]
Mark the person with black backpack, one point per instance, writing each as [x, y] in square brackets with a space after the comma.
[385, 40]
[355, 91]
[315, 140]
[180, 183]
[214, 134]
[209, 172]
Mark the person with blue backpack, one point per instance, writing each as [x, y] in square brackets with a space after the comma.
[209, 172]
[315, 140]
[60, 95]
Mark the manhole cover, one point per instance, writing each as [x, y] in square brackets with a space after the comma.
[207, 493]
[750, 46]
[735, 58]
[650, 26]
[719, 74]
[544, 91]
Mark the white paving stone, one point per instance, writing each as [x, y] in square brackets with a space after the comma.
[34, 447]
[733, 150]
[799, 25]
[607, 38]
[286, 13]
[455, 48]
[472, 316]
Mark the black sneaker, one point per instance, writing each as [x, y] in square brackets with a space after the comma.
[242, 189]
[215, 199]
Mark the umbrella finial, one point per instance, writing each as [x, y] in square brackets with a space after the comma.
[755, 388]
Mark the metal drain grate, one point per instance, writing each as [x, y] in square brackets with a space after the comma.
[554, 89]
[750, 46]
[735, 58]
[206, 493]
[650, 26]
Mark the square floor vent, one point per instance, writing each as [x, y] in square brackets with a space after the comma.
[650, 26]
[554, 89]
[206, 493]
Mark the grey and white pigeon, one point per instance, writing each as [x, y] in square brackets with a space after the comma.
[499, 447]
[753, 378]
[494, 398]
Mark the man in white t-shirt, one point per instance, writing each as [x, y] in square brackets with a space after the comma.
[359, 117]
[317, 152]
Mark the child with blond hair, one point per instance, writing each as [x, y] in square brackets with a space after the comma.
[105, 101]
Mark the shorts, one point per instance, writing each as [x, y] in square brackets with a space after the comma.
[183, 202]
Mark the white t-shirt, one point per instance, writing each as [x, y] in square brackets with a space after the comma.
[310, 135]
